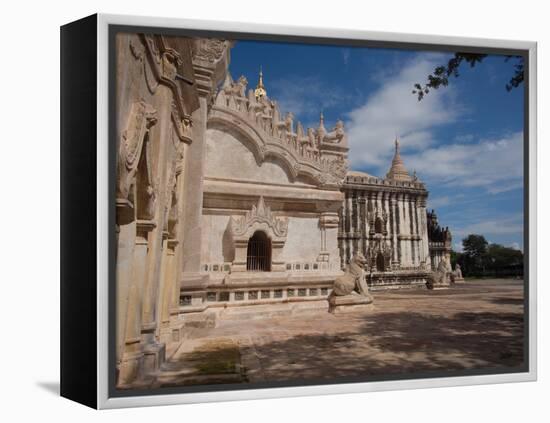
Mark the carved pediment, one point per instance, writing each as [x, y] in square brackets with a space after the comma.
[259, 218]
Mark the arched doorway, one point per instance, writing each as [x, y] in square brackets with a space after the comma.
[258, 253]
[380, 264]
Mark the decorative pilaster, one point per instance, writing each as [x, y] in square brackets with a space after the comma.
[327, 220]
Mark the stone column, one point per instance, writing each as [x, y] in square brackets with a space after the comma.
[418, 242]
[162, 136]
[356, 224]
[210, 61]
[363, 223]
[168, 288]
[424, 232]
[393, 229]
[349, 228]
[133, 354]
[412, 220]
[406, 230]
[125, 253]
[398, 226]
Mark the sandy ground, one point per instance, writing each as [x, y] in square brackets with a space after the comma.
[475, 325]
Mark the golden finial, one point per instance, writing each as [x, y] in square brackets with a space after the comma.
[260, 91]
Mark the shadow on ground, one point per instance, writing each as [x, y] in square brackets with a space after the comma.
[389, 344]
[507, 301]
[396, 343]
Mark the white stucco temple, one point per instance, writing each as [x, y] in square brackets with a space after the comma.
[224, 203]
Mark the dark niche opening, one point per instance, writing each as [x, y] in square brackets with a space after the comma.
[258, 253]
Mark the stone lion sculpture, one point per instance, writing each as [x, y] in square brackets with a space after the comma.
[353, 281]
[458, 271]
[441, 276]
[456, 276]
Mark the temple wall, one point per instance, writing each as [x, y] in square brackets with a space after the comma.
[217, 246]
[302, 246]
[230, 156]
[304, 240]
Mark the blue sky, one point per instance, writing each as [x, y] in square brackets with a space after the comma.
[464, 141]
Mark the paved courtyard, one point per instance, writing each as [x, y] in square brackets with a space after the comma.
[478, 324]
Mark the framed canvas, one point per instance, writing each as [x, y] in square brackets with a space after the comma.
[255, 211]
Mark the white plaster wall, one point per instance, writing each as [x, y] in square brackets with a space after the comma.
[304, 240]
[229, 157]
[332, 248]
[216, 241]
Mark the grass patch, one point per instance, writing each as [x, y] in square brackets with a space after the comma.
[215, 357]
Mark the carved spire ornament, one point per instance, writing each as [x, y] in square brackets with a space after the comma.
[260, 90]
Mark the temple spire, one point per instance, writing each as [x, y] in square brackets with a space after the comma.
[398, 172]
[260, 90]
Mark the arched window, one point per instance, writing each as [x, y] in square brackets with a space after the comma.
[380, 264]
[258, 253]
[378, 225]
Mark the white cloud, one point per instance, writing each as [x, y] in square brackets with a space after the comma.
[515, 246]
[464, 138]
[495, 165]
[505, 225]
[392, 111]
[434, 203]
[466, 160]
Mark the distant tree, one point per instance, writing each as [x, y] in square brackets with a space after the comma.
[504, 260]
[474, 245]
[479, 258]
[441, 74]
[474, 254]
[455, 256]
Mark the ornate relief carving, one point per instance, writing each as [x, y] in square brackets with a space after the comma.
[378, 246]
[338, 168]
[182, 125]
[142, 117]
[258, 216]
[209, 49]
[318, 154]
[136, 50]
